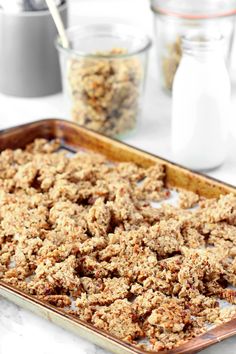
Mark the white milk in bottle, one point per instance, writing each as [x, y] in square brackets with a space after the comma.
[201, 105]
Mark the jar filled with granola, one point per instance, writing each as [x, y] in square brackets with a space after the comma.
[103, 75]
[176, 19]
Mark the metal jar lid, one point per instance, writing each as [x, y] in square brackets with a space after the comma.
[195, 9]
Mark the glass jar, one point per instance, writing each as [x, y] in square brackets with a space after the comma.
[175, 19]
[201, 104]
[103, 74]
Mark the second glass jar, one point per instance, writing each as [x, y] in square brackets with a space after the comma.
[173, 20]
[103, 75]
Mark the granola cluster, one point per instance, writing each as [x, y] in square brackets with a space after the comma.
[81, 233]
[188, 199]
[105, 91]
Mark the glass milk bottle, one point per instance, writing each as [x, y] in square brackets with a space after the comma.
[201, 104]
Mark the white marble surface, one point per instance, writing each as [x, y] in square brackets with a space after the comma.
[21, 331]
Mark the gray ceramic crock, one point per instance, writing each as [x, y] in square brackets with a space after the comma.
[29, 65]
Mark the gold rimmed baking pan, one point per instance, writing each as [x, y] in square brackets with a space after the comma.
[73, 138]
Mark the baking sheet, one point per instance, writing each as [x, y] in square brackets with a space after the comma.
[56, 315]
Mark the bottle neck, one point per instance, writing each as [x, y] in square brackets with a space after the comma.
[203, 48]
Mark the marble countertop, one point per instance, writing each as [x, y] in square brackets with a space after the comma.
[20, 330]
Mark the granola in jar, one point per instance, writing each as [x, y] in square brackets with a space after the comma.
[105, 91]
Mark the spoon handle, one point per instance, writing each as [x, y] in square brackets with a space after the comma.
[58, 22]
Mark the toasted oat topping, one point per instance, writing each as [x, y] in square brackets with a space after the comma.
[188, 199]
[81, 233]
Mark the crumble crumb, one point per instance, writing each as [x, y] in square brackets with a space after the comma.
[188, 199]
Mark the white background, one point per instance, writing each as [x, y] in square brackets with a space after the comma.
[20, 331]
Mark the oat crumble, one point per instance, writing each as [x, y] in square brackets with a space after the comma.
[79, 230]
